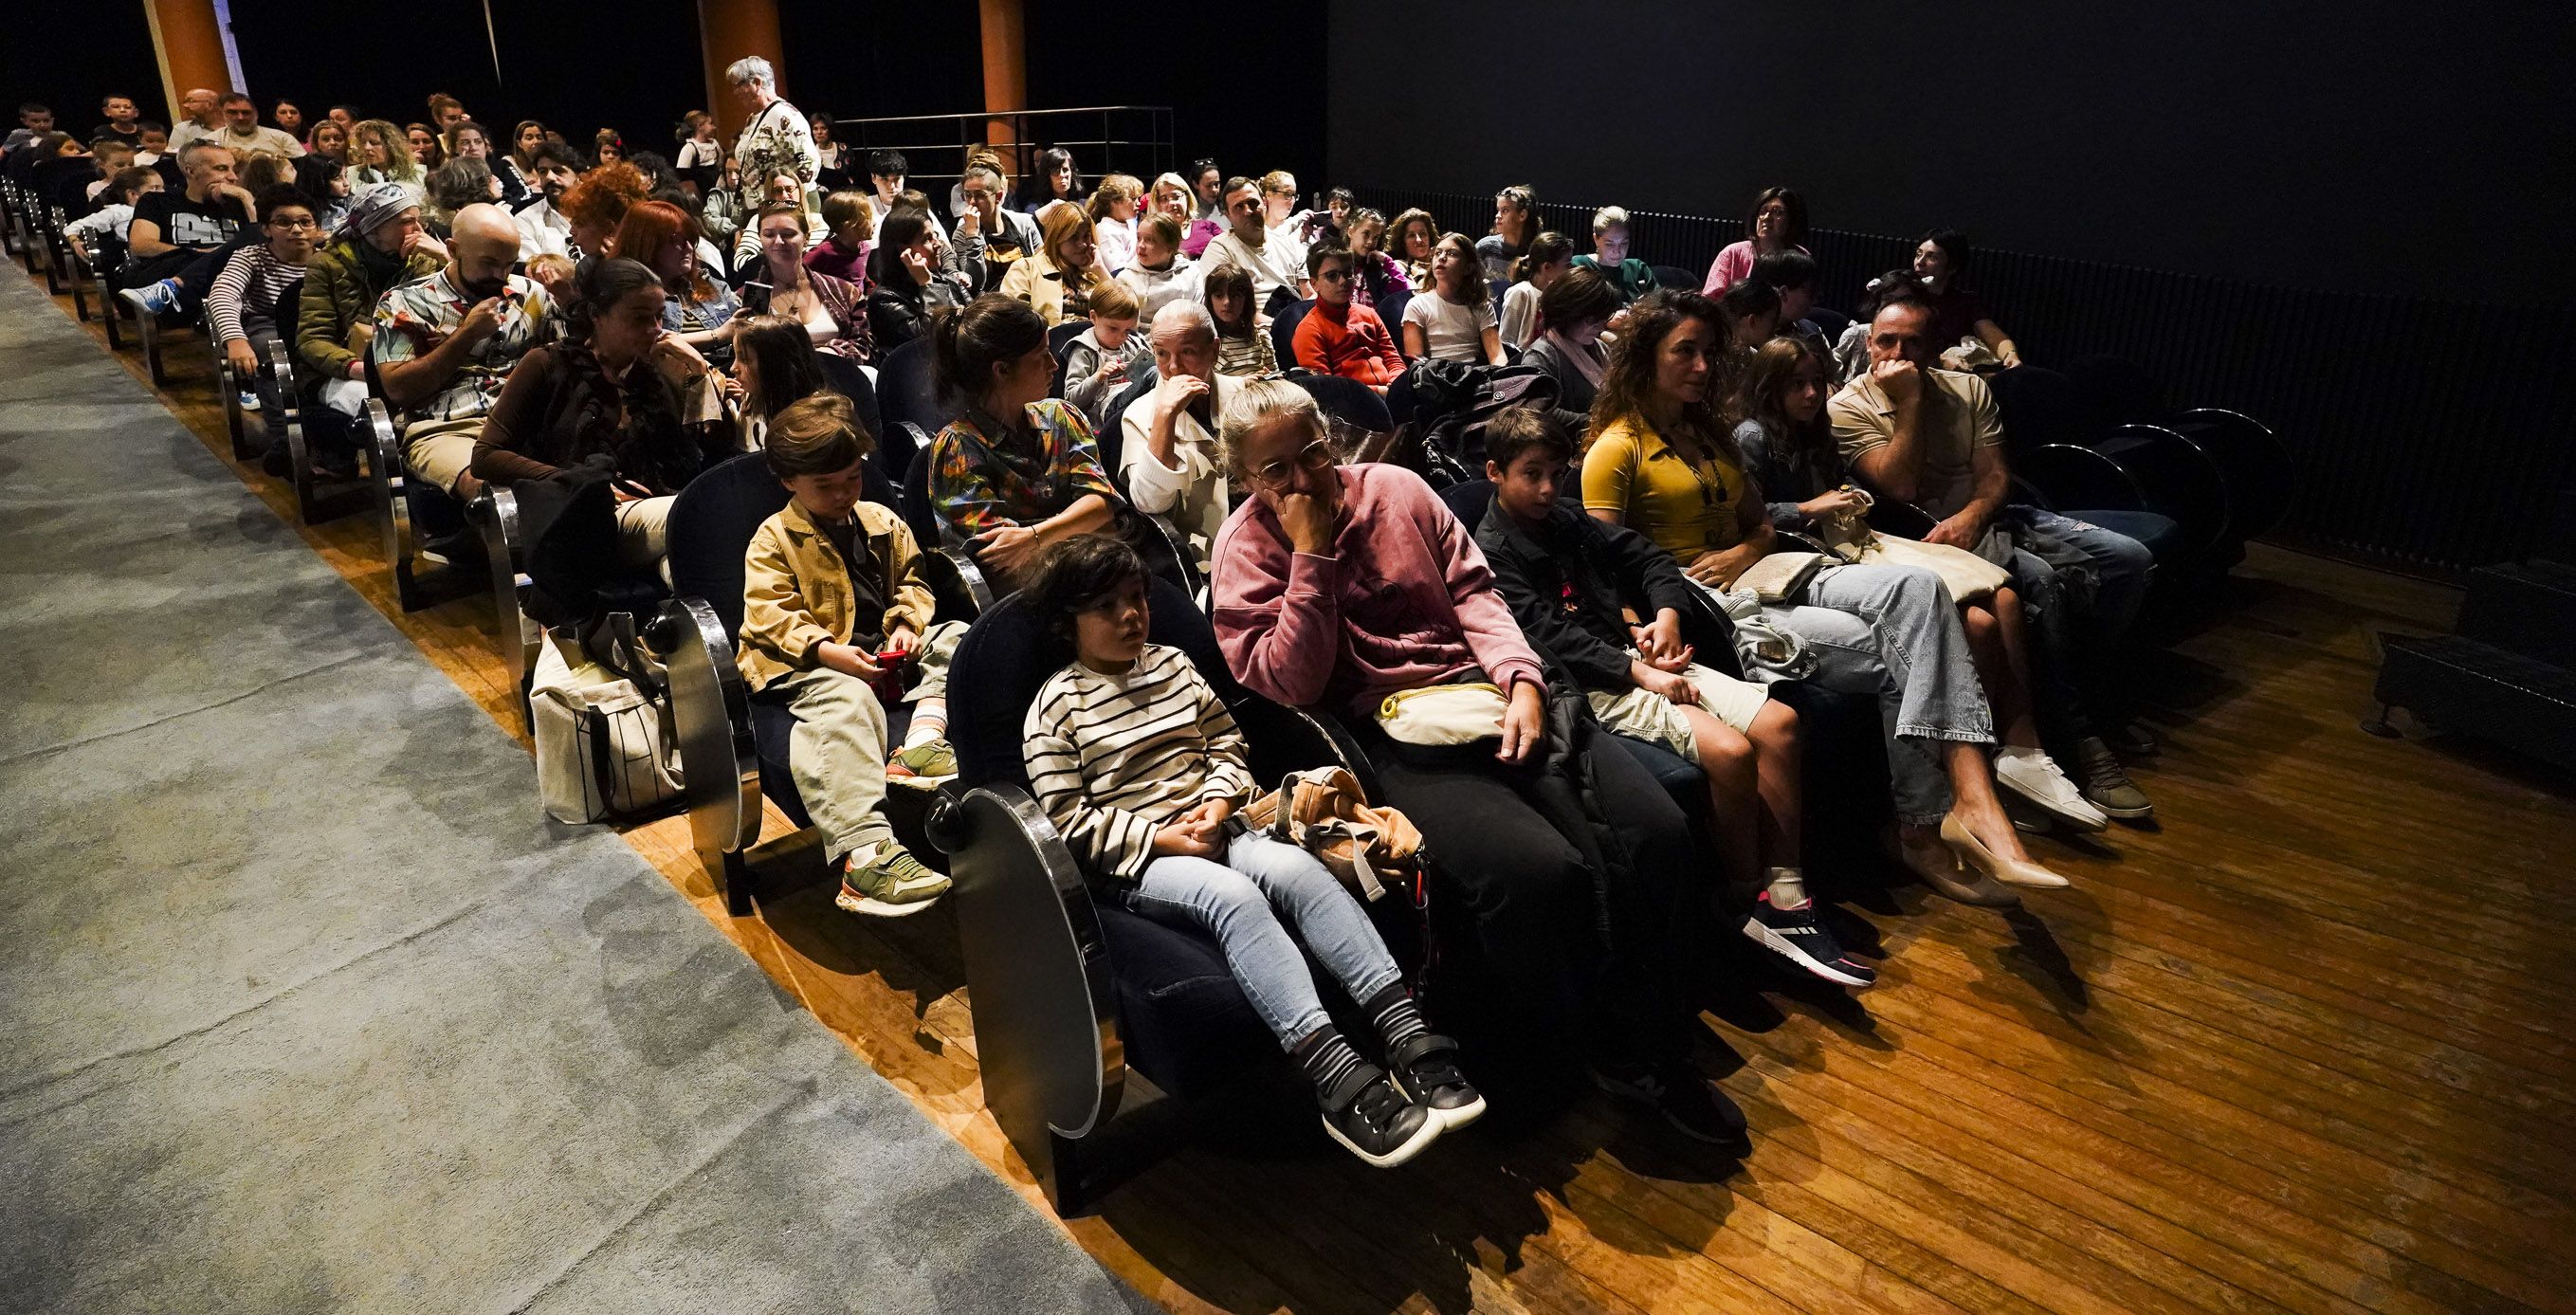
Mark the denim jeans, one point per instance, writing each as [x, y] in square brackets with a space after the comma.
[2074, 676]
[1893, 633]
[1239, 901]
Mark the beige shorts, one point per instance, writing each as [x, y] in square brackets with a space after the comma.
[441, 453]
[1645, 715]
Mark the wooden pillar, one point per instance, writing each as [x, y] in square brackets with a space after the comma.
[1006, 69]
[188, 42]
[729, 30]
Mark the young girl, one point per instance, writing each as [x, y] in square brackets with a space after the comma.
[1550, 255]
[773, 362]
[1378, 272]
[1457, 324]
[699, 148]
[1137, 762]
[1113, 221]
[1158, 275]
[1242, 348]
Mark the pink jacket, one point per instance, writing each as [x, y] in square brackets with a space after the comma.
[1278, 613]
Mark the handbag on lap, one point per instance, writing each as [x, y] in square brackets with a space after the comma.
[1969, 576]
[1321, 811]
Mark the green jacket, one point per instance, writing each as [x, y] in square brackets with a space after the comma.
[337, 299]
[1634, 278]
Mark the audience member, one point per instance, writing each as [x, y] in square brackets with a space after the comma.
[289, 118]
[699, 148]
[1456, 321]
[1158, 276]
[522, 159]
[1375, 273]
[1167, 452]
[1630, 277]
[1515, 224]
[1277, 267]
[774, 367]
[1339, 336]
[776, 142]
[445, 346]
[379, 246]
[242, 311]
[1055, 181]
[1242, 346]
[472, 142]
[905, 285]
[597, 203]
[445, 112]
[1549, 256]
[204, 118]
[427, 151]
[1018, 471]
[1410, 240]
[850, 222]
[454, 186]
[1057, 281]
[1963, 330]
[174, 242]
[1793, 274]
[1207, 191]
[1141, 768]
[330, 142]
[1001, 234]
[98, 238]
[242, 133]
[1574, 309]
[1098, 360]
[696, 309]
[544, 229]
[123, 121]
[1291, 229]
[606, 147]
[1113, 221]
[832, 160]
[1777, 222]
[836, 621]
[1752, 314]
[1315, 573]
[384, 155]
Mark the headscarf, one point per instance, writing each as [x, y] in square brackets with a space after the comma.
[375, 207]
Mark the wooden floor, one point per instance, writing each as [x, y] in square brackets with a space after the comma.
[2306, 1048]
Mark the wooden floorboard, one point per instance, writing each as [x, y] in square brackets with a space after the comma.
[2304, 1048]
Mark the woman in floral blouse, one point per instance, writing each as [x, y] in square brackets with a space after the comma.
[1018, 471]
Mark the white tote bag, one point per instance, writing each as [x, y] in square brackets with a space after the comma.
[604, 746]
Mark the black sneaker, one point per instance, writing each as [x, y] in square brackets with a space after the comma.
[1687, 1100]
[1795, 935]
[2107, 785]
[1426, 1070]
[1373, 1120]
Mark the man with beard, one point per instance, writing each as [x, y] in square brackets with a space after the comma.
[205, 118]
[444, 345]
[543, 230]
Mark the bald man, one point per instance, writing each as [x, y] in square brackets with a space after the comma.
[445, 344]
[201, 118]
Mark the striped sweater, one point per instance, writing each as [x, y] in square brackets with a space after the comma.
[250, 282]
[1112, 758]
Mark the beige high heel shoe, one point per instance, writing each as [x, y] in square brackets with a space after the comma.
[1938, 866]
[2010, 871]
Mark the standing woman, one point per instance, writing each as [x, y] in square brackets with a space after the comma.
[1018, 471]
[832, 310]
[1777, 222]
[1054, 181]
[1550, 255]
[1663, 463]
[384, 155]
[773, 364]
[1113, 222]
[1515, 224]
[1057, 282]
[1410, 240]
[1456, 323]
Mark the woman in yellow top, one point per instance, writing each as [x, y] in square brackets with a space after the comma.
[1662, 463]
[1057, 282]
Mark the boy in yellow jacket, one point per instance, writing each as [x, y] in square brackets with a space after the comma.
[836, 619]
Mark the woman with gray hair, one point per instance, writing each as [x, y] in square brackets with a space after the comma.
[776, 143]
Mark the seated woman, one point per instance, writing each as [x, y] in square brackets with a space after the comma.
[1379, 275]
[1352, 589]
[1113, 221]
[1959, 315]
[1515, 225]
[1752, 314]
[1141, 768]
[1455, 322]
[697, 310]
[1550, 255]
[617, 386]
[1242, 341]
[1571, 581]
[1018, 472]
[773, 366]
[597, 204]
[1575, 309]
[1053, 181]
[1057, 281]
[786, 285]
[906, 285]
[1662, 462]
[1410, 240]
[1158, 275]
[1777, 222]
[1633, 278]
[781, 190]
[1789, 449]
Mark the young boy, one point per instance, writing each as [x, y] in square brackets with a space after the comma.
[1141, 768]
[1570, 581]
[1099, 360]
[835, 621]
[241, 307]
[1339, 336]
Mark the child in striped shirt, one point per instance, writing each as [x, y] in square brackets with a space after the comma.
[241, 307]
[1142, 769]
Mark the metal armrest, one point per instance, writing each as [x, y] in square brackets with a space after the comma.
[1038, 981]
[495, 516]
[719, 767]
[231, 385]
[957, 579]
[385, 474]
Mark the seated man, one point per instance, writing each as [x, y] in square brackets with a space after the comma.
[242, 133]
[1167, 454]
[543, 229]
[1338, 337]
[242, 309]
[1932, 437]
[379, 245]
[1633, 278]
[445, 344]
[205, 118]
[836, 622]
[1273, 263]
[174, 244]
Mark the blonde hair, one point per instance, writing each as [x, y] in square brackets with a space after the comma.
[1112, 190]
[842, 209]
[1278, 180]
[1112, 301]
[400, 166]
[1256, 404]
[1608, 217]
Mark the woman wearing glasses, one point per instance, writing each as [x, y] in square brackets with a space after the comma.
[1352, 589]
[1662, 463]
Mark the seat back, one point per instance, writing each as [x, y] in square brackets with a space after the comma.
[1675, 277]
[1283, 331]
[1111, 437]
[846, 377]
[915, 503]
[907, 389]
[712, 521]
[1390, 310]
[1469, 500]
[1348, 401]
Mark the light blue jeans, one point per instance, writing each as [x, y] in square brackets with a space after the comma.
[1239, 901]
[1892, 632]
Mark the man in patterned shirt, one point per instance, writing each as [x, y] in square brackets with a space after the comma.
[776, 143]
[444, 345]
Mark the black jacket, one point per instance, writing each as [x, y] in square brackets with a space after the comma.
[1567, 582]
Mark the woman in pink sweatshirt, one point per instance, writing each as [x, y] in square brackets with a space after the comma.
[1338, 586]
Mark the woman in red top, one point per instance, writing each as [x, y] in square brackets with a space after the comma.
[1338, 337]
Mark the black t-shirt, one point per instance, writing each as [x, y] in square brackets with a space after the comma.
[866, 586]
[133, 133]
[195, 225]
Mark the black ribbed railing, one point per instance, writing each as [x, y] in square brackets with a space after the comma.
[2430, 434]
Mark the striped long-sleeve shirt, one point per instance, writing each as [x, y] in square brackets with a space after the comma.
[1113, 758]
[250, 281]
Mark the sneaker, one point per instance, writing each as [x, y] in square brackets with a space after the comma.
[154, 298]
[2036, 778]
[895, 886]
[249, 400]
[1426, 1071]
[1688, 1101]
[2107, 785]
[927, 763]
[1374, 1121]
[1795, 935]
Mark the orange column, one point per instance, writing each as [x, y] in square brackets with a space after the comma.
[190, 48]
[729, 30]
[1006, 69]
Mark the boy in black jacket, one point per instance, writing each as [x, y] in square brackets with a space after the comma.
[1573, 583]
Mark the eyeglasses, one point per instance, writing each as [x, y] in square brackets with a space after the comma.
[1332, 276]
[291, 225]
[1318, 455]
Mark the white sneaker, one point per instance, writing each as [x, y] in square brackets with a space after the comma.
[2035, 777]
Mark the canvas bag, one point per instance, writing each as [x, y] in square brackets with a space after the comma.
[1968, 576]
[1321, 811]
[605, 743]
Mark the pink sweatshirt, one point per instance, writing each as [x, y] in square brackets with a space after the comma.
[1404, 602]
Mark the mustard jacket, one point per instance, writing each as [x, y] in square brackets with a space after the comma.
[796, 590]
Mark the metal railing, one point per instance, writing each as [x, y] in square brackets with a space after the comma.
[1104, 139]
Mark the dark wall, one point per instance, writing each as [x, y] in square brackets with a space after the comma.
[70, 56]
[842, 62]
[1240, 76]
[2381, 148]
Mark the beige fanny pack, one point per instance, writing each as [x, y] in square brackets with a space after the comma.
[1443, 714]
